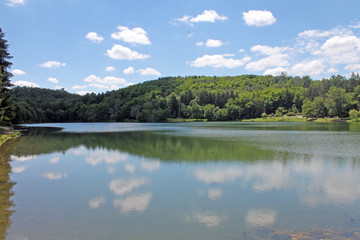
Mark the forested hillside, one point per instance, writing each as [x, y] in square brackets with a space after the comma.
[212, 98]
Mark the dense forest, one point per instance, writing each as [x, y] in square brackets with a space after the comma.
[195, 97]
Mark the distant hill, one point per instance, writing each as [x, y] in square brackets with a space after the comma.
[197, 97]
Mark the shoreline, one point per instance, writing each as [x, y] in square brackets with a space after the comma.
[6, 134]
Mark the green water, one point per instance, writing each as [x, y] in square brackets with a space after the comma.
[223, 180]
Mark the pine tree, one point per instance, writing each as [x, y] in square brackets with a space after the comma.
[6, 104]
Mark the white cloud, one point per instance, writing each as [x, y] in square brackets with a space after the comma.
[341, 49]
[213, 43]
[94, 37]
[97, 85]
[130, 168]
[206, 16]
[356, 26]
[124, 186]
[107, 156]
[199, 44]
[109, 82]
[274, 71]
[54, 176]
[215, 193]
[53, 80]
[79, 86]
[18, 72]
[110, 69]
[314, 33]
[52, 64]
[333, 70]
[259, 18]
[129, 70]
[218, 61]
[275, 57]
[241, 50]
[314, 67]
[136, 35]
[19, 169]
[149, 71]
[23, 158]
[218, 175]
[261, 217]
[96, 202]
[54, 160]
[15, 3]
[151, 165]
[82, 93]
[136, 203]
[123, 53]
[25, 84]
[352, 67]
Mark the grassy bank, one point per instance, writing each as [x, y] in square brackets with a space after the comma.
[296, 119]
[7, 133]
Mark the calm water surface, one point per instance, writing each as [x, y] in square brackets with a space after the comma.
[179, 181]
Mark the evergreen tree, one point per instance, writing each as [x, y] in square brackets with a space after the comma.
[6, 105]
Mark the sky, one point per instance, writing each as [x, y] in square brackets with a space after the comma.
[96, 46]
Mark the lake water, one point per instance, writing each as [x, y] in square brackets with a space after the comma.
[227, 180]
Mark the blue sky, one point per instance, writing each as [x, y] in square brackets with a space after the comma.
[97, 46]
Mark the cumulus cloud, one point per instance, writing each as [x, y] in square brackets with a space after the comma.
[136, 203]
[206, 16]
[19, 169]
[52, 64]
[53, 80]
[341, 49]
[54, 160]
[276, 57]
[23, 158]
[259, 18]
[151, 165]
[124, 186]
[18, 72]
[333, 70]
[219, 175]
[210, 43]
[215, 193]
[275, 71]
[96, 202]
[81, 93]
[110, 69]
[109, 82]
[352, 67]
[26, 84]
[79, 86]
[15, 3]
[218, 61]
[130, 168]
[149, 71]
[199, 44]
[314, 67]
[94, 37]
[54, 176]
[129, 70]
[123, 53]
[135, 35]
[107, 156]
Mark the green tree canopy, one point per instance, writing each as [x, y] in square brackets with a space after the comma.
[6, 106]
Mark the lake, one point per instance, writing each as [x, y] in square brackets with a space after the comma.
[212, 180]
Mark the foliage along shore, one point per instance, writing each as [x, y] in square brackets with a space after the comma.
[196, 97]
[7, 133]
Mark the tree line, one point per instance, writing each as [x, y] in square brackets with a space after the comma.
[195, 97]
